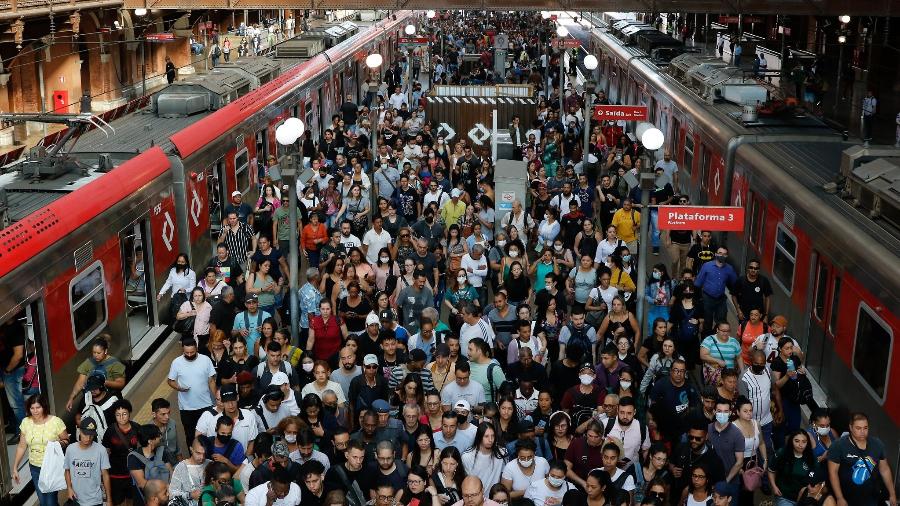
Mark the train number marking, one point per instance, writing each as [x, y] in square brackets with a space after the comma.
[168, 231]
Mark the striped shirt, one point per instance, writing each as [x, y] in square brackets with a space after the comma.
[468, 332]
[238, 241]
[757, 388]
[726, 351]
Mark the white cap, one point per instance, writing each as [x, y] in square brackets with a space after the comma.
[372, 319]
[456, 193]
[279, 378]
[235, 192]
[463, 405]
[370, 360]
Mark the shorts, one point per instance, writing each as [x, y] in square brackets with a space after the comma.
[122, 489]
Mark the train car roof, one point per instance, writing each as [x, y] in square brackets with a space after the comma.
[62, 211]
[134, 134]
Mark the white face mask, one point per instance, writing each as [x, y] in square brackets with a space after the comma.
[513, 253]
[460, 279]
[555, 482]
[290, 438]
[586, 379]
[385, 260]
[501, 244]
[625, 384]
[558, 247]
[308, 366]
[823, 431]
[526, 463]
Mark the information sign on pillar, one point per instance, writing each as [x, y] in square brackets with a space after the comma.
[620, 113]
[717, 219]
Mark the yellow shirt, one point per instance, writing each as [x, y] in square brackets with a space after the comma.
[452, 213]
[627, 224]
[37, 437]
[624, 282]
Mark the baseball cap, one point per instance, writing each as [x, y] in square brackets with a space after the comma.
[370, 360]
[280, 449]
[463, 405]
[442, 350]
[245, 378]
[417, 355]
[372, 319]
[587, 365]
[88, 426]
[525, 425]
[722, 489]
[781, 320]
[228, 393]
[279, 378]
[94, 382]
[387, 315]
[273, 393]
[251, 297]
[235, 193]
[381, 406]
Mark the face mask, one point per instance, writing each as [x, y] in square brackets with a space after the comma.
[308, 366]
[625, 384]
[657, 275]
[688, 295]
[721, 258]
[461, 279]
[722, 418]
[429, 219]
[558, 247]
[513, 253]
[757, 369]
[330, 409]
[626, 258]
[384, 260]
[823, 431]
[526, 463]
[290, 438]
[555, 482]
[501, 244]
[586, 379]
[461, 419]
[223, 438]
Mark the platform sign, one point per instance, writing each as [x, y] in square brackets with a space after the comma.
[160, 37]
[566, 43]
[413, 41]
[506, 201]
[718, 219]
[620, 113]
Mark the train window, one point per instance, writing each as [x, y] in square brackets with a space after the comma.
[652, 110]
[88, 304]
[785, 258]
[872, 351]
[308, 110]
[821, 291]
[835, 304]
[673, 138]
[688, 165]
[242, 170]
[754, 221]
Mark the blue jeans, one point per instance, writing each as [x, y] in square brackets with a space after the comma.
[44, 499]
[654, 229]
[781, 501]
[12, 383]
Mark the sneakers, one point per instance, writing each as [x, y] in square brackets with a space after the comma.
[656, 251]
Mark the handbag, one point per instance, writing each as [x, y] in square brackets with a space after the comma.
[185, 326]
[753, 474]
[712, 373]
[52, 477]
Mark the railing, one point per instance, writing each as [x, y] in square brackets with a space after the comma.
[499, 90]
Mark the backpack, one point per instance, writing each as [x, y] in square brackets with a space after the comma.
[96, 412]
[612, 422]
[580, 338]
[355, 496]
[153, 469]
[216, 51]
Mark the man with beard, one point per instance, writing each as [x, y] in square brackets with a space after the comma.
[365, 388]
[696, 452]
[348, 475]
[348, 370]
[194, 377]
[629, 431]
[279, 461]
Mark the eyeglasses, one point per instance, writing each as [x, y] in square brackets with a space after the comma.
[752, 268]
[372, 366]
[695, 438]
[404, 236]
[415, 482]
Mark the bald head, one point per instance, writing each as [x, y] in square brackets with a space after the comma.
[473, 491]
[156, 492]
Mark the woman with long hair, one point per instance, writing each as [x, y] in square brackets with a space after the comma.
[581, 280]
[226, 372]
[181, 280]
[326, 333]
[658, 295]
[210, 283]
[417, 491]
[507, 420]
[354, 309]
[660, 364]
[456, 247]
[261, 283]
[699, 489]
[458, 293]
[550, 320]
[789, 472]
[619, 321]
[289, 353]
[356, 209]
[448, 476]
[386, 271]
[322, 372]
[330, 286]
[653, 469]
[37, 430]
[218, 477]
[487, 457]
[241, 357]
[200, 310]
[515, 281]
[559, 434]
[265, 208]
[266, 336]
[423, 453]
[685, 324]
[653, 342]
[411, 391]
[319, 421]
[754, 444]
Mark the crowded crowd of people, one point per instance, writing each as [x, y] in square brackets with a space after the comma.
[450, 354]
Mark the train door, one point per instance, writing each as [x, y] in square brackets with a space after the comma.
[321, 111]
[25, 328]
[262, 146]
[137, 273]
[216, 189]
[823, 309]
[705, 166]
[688, 166]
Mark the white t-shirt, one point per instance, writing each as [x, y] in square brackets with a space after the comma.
[486, 467]
[607, 295]
[468, 332]
[539, 492]
[245, 427]
[257, 496]
[350, 241]
[193, 374]
[473, 393]
[769, 345]
[605, 249]
[375, 242]
[512, 471]
[479, 269]
[628, 486]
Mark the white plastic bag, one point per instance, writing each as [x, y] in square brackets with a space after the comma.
[53, 475]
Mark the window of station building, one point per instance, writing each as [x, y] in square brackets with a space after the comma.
[87, 300]
[242, 170]
[872, 351]
[785, 258]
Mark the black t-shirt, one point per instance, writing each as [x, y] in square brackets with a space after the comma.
[751, 294]
[119, 444]
[562, 377]
[789, 389]
[428, 262]
[333, 480]
[273, 256]
[661, 194]
[858, 472]
[228, 271]
[608, 207]
[702, 254]
[12, 335]
[680, 237]
[222, 316]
